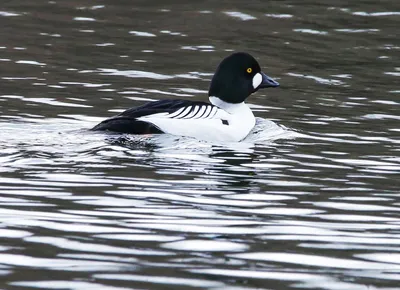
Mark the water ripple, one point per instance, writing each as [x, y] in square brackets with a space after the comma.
[308, 200]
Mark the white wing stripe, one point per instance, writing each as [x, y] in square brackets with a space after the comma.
[216, 111]
[184, 113]
[207, 113]
[177, 112]
[212, 113]
[192, 113]
[200, 112]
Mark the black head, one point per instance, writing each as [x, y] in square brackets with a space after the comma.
[237, 77]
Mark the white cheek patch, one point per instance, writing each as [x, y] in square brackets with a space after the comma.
[257, 79]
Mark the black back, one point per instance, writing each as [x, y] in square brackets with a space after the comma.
[163, 106]
[126, 122]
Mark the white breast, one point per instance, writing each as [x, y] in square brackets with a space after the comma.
[228, 122]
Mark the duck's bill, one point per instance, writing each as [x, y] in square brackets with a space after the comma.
[268, 82]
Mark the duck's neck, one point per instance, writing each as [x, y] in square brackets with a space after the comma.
[228, 107]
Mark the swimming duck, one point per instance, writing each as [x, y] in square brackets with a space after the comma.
[225, 118]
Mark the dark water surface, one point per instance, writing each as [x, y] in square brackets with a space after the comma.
[310, 200]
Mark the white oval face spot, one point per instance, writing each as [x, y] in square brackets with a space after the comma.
[257, 79]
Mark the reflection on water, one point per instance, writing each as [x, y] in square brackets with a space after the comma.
[310, 199]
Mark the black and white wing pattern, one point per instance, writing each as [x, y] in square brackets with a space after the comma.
[189, 110]
[138, 120]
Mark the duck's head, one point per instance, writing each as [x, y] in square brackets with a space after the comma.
[237, 77]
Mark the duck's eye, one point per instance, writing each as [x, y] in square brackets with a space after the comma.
[249, 70]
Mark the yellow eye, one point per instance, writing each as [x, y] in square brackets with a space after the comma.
[249, 70]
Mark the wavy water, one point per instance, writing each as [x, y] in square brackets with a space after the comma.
[309, 200]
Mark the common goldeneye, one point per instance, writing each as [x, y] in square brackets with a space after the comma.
[225, 118]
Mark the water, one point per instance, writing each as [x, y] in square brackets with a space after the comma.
[310, 200]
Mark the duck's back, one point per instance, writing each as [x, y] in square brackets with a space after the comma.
[132, 120]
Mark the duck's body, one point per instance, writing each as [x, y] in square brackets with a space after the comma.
[201, 120]
[225, 118]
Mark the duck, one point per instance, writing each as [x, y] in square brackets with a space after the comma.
[225, 118]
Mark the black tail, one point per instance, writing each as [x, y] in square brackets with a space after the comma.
[127, 125]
